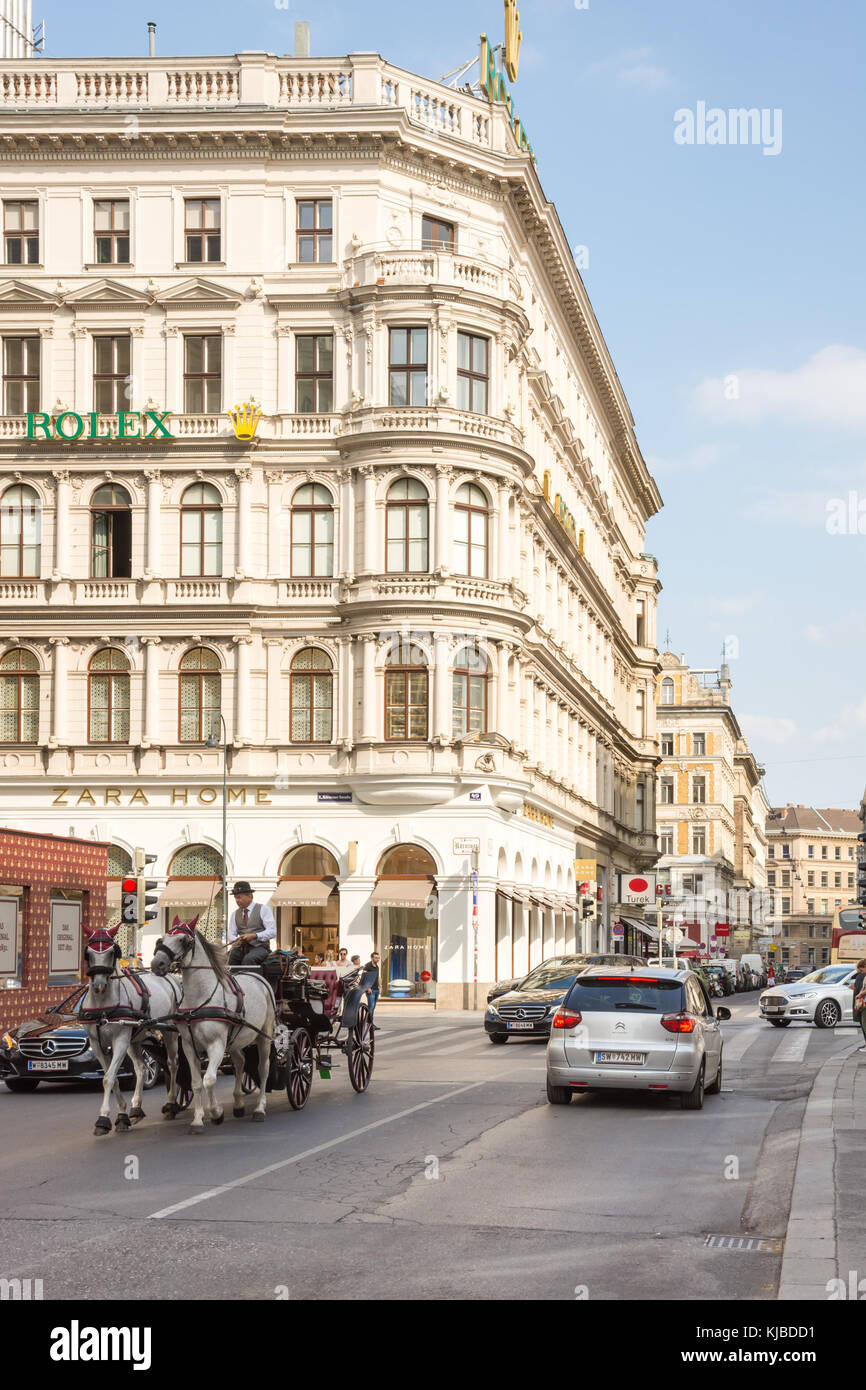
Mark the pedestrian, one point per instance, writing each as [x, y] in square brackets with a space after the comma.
[372, 967]
[356, 960]
[858, 984]
[251, 927]
[771, 975]
[343, 956]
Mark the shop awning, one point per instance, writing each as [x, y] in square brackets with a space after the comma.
[302, 892]
[643, 927]
[401, 892]
[186, 892]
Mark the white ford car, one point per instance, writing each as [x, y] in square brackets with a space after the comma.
[824, 998]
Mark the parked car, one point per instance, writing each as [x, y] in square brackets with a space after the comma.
[582, 959]
[824, 998]
[683, 962]
[791, 977]
[526, 1010]
[642, 1030]
[29, 1056]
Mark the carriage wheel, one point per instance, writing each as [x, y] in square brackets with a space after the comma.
[300, 1069]
[360, 1046]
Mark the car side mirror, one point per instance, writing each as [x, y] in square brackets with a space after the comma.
[723, 1013]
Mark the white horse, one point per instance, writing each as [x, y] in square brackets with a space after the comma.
[113, 1013]
[220, 1014]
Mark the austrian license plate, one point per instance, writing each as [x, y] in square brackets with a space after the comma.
[521, 1025]
[635, 1058]
[47, 1066]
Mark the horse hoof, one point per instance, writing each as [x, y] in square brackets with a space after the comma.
[170, 1111]
[137, 1114]
[258, 1117]
[122, 1122]
[102, 1126]
[196, 1129]
[239, 1112]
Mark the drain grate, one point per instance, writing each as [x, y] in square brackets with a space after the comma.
[746, 1245]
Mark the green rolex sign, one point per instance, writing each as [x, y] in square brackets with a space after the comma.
[130, 424]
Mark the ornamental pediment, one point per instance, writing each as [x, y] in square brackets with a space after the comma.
[17, 294]
[107, 292]
[198, 293]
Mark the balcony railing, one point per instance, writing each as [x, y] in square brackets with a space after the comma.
[374, 265]
[259, 80]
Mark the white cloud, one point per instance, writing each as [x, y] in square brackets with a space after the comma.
[633, 67]
[829, 388]
[799, 508]
[815, 634]
[850, 720]
[767, 728]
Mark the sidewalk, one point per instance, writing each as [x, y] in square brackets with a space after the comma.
[826, 1237]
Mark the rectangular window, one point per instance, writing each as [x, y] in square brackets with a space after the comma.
[825, 956]
[21, 231]
[641, 714]
[667, 741]
[810, 879]
[771, 851]
[405, 705]
[824, 881]
[786, 907]
[823, 851]
[810, 906]
[811, 851]
[111, 231]
[314, 374]
[640, 623]
[202, 373]
[473, 369]
[771, 879]
[699, 790]
[436, 235]
[699, 745]
[824, 907]
[315, 231]
[666, 788]
[20, 375]
[786, 851]
[850, 880]
[202, 229]
[111, 375]
[786, 878]
[666, 839]
[699, 840]
[812, 930]
[408, 366]
[837, 880]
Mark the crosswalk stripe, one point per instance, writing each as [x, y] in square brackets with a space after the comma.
[409, 1041]
[479, 1042]
[793, 1047]
[736, 1047]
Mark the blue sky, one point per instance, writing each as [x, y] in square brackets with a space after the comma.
[728, 284]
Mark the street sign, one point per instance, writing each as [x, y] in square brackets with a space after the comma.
[583, 888]
[334, 796]
[618, 929]
[637, 890]
[585, 869]
[474, 796]
[466, 844]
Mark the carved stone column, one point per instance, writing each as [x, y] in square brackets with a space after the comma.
[273, 703]
[443, 519]
[243, 521]
[151, 691]
[60, 691]
[61, 523]
[153, 561]
[369, 732]
[242, 688]
[372, 564]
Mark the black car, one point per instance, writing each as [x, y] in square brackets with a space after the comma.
[526, 1009]
[28, 1056]
[790, 977]
[580, 959]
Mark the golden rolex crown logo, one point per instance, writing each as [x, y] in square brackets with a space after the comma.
[513, 38]
[245, 419]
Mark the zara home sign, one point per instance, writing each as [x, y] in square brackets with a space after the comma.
[70, 426]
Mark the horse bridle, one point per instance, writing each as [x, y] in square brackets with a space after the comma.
[94, 970]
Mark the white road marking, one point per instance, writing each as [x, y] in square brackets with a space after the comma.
[474, 1041]
[793, 1047]
[736, 1047]
[310, 1153]
[407, 1041]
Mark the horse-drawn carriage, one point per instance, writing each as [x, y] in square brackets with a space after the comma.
[315, 1018]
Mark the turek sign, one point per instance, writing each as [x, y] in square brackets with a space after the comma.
[637, 890]
[126, 424]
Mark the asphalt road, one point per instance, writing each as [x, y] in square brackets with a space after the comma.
[451, 1177]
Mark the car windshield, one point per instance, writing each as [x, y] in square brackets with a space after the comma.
[610, 993]
[550, 977]
[830, 976]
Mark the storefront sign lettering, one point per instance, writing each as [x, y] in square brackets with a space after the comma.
[532, 813]
[494, 87]
[69, 426]
[64, 954]
[178, 796]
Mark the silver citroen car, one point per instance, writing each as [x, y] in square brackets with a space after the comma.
[636, 1030]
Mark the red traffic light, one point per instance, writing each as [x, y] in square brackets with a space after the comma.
[129, 885]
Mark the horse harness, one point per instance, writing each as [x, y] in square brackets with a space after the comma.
[209, 1012]
[126, 1012]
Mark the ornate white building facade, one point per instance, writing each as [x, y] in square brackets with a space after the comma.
[436, 532]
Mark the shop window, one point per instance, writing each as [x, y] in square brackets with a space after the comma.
[201, 862]
[309, 861]
[406, 861]
[110, 533]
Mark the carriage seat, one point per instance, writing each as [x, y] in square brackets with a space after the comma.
[332, 980]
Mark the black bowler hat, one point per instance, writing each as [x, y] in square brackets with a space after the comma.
[241, 887]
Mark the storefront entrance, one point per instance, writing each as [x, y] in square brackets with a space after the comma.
[406, 923]
[306, 903]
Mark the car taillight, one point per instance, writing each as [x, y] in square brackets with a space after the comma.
[564, 1018]
[679, 1023]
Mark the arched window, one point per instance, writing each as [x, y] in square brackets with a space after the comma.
[667, 691]
[469, 692]
[309, 861]
[20, 533]
[204, 863]
[199, 694]
[312, 532]
[470, 531]
[108, 697]
[406, 693]
[311, 696]
[406, 861]
[201, 531]
[110, 533]
[19, 697]
[406, 527]
[119, 867]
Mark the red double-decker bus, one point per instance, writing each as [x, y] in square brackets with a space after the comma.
[849, 935]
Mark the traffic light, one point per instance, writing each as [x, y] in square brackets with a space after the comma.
[587, 908]
[146, 908]
[129, 902]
